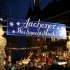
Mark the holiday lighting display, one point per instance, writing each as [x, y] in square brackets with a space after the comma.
[2, 39]
[2, 46]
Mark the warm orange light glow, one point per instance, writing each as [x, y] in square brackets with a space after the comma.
[1, 30]
[2, 39]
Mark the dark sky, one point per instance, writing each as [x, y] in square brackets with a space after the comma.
[19, 8]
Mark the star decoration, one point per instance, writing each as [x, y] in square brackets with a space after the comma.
[18, 23]
[13, 31]
[58, 28]
[11, 24]
[63, 28]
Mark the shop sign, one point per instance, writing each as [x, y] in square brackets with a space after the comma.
[36, 28]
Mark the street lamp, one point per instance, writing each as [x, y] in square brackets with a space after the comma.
[1, 19]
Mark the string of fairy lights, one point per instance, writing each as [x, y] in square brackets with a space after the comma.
[23, 48]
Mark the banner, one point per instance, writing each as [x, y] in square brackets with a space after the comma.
[36, 28]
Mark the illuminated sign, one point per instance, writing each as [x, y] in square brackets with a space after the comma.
[36, 28]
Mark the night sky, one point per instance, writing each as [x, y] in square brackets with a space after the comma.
[19, 8]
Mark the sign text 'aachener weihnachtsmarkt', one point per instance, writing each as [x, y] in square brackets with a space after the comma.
[36, 28]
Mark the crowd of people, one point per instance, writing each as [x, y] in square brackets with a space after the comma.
[38, 64]
[32, 66]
